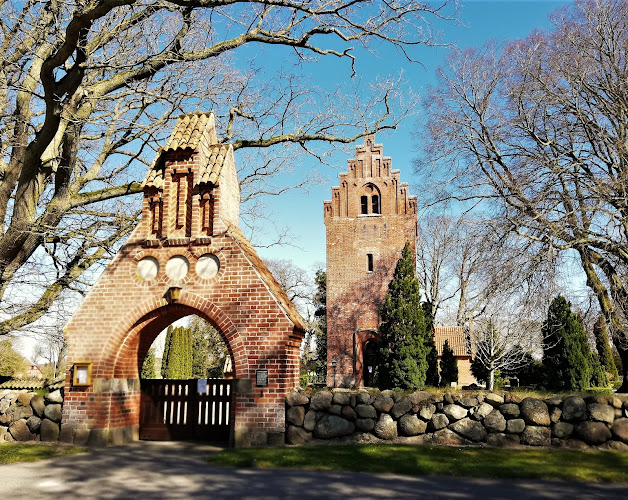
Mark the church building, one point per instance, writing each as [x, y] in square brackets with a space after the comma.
[368, 221]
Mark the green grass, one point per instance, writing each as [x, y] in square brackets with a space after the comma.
[20, 452]
[569, 465]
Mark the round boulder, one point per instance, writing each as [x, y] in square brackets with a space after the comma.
[536, 436]
[297, 435]
[593, 433]
[574, 408]
[454, 412]
[342, 398]
[365, 424]
[49, 430]
[411, 425]
[365, 411]
[309, 421]
[534, 411]
[439, 421]
[562, 430]
[620, 429]
[383, 404]
[426, 411]
[401, 407]
[482, 411]
[509, 410]
[332, 426]
[53, 412]
[295, 415]
[494, 399]
[20, 431]
[54, 397]
[294, 398]
[470, 429]
[601, 413]
[515, 426]
[495, 422]
[321, 400]
[38, 405]
[33, 424]
[385, 427]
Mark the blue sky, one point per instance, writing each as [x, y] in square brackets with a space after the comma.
[482, 21]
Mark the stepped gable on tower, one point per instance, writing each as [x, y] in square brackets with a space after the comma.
[368, 221]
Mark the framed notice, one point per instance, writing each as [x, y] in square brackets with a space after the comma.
[261, 378]
[82, 374]
[201, 386]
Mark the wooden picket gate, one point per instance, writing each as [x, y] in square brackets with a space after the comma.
[186, 410]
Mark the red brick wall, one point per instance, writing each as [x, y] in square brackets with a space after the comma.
[121, 316]
[354, 294]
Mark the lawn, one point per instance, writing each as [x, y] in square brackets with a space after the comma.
[569, 465]
[22, 452]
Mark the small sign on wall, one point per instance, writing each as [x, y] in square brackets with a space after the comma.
[82, 374]
[261, 378]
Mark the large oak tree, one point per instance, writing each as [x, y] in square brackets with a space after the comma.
[88, 89]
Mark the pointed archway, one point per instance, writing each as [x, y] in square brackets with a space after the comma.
[186, 256]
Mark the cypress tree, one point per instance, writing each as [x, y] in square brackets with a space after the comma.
[566, 356]
[432, 377]
[179, 360]
[165, 360]
[148, 366]
[200, 350]
[320, 313]
[448, 366]
[402, 353]
[604, 349]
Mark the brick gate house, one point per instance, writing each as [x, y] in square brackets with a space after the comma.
[186, 256]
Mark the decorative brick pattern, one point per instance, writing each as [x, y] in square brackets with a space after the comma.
[121, 316]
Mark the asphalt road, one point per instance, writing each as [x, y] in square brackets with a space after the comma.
[147, 470]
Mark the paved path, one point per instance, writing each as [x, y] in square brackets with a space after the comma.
[152, 470]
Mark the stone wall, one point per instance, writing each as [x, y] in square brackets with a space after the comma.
[27, 416]
[487, 419]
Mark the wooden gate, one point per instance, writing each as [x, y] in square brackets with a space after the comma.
[200, 410]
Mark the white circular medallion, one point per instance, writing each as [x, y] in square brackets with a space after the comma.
[147, 268]
[207, 266]
[177, 267]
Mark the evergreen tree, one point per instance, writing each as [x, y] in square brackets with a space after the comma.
[448, 366]
[566, 355]
[320, 314]
[432, 378]
[604, 349]
[402, 353]
[165, 356]
[148, 366]
[200, 348]
[178, 363]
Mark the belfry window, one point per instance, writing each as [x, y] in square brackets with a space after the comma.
[369, 262]
[364, 202]
[375, 204]
[370, 200]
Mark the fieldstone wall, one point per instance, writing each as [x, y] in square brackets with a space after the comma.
[458, 419]
[26, 416]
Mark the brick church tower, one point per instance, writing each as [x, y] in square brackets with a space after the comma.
[369, 219]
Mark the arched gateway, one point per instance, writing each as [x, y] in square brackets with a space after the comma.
[186, 256]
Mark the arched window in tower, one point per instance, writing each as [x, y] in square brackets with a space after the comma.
[375, 204]
[370, 200]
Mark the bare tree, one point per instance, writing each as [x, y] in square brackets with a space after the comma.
[536, 131]
[88, 90]
[501, 345]
[296, 282]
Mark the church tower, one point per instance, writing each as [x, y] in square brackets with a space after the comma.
[369, 219]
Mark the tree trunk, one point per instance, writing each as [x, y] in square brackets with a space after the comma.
[491, 380]
[622, 350]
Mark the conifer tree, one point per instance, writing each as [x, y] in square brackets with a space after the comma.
[402, 353]
[432, 378]
[448, 366]
[178, 363]
[165, 356]
[148, 366]
[320, 313]
[604, 349]
[566, 356]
